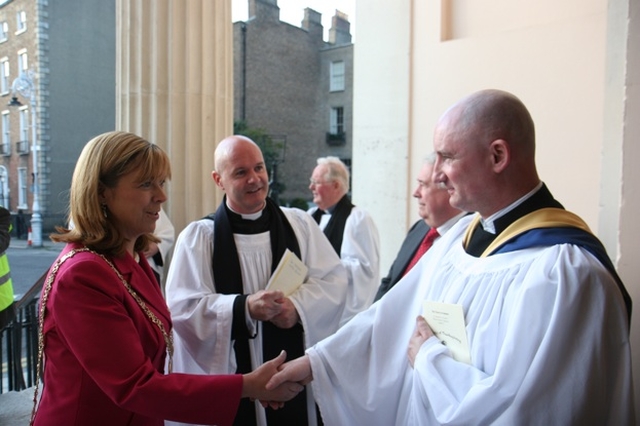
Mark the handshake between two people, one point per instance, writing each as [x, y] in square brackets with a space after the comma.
[275, 382]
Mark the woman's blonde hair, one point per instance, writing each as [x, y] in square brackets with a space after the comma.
[102, 162]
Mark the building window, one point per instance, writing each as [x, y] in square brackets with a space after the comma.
[5, 148]
[24, 124]
[336, 135]
[5, 85]
[336, 76]
[4, 31]
[336, 120]
[4, 187]
[23, 61]
[22, 146]
[22, 187]
[21, 18]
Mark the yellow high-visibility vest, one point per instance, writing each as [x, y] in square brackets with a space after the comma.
[6, 290]
[6, 285]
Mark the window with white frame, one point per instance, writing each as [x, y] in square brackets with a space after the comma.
[4, 31]
[336, 76]
[4, 187]
[336, 121]
[5, 84]
[22, 187]
[21, 19]
[23, 61]
[6, 133]
[24, 124]
[22, 145]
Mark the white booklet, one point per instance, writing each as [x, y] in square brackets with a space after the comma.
[289, 274]
[447, 323]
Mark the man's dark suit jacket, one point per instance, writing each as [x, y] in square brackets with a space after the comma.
[407, 250]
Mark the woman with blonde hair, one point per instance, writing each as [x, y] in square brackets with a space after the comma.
[105, 330]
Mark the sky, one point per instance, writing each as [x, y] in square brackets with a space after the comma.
[292, 11]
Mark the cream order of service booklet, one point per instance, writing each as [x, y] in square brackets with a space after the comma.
[289, 274]
[447, 323]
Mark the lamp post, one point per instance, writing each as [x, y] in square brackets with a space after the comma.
[24, 85]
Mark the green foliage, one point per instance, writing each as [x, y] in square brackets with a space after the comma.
[271, 149]
[299, 203]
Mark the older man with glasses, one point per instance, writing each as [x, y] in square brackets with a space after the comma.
[350, 230]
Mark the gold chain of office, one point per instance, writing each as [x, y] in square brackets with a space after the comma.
[168, 338]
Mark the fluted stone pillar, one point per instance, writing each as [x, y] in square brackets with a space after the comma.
[174, 82]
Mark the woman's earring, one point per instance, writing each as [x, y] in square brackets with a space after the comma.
[104, 210]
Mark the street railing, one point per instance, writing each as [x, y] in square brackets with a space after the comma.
[19, 343]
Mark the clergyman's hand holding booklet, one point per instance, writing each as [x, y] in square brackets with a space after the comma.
[289, 274]
[447, 323]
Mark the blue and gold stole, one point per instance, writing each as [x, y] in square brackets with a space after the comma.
[547, 227]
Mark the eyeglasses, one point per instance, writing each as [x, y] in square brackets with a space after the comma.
[316, 183]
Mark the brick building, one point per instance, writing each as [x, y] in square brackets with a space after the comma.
[297, 87]
[68, 50]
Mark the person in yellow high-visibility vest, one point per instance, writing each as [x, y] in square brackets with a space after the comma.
[7, 311]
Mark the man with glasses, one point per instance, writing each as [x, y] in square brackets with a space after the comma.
[523, 281]
[350, 230]
[437, 216]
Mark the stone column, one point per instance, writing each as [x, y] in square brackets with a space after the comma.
[174, 87]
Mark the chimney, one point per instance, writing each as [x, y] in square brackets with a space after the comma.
[264, 10]
[312, 22]
[340, 29]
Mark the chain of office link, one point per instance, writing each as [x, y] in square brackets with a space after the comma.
[168, 338]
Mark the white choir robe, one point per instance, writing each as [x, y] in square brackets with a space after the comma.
[360, 255]
[202, 318]
[548, 335]
[166, 233]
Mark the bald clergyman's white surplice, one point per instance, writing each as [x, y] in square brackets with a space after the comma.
[202, 318]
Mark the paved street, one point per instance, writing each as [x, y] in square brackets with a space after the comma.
[29, 263]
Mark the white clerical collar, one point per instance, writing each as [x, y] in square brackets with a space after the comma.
[249, 216]
[328, 211]
[449, 224]
[489, 224]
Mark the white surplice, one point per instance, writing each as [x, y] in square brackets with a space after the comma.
[166, 233]
[360, 255]
[202, 318]
[548, 335]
